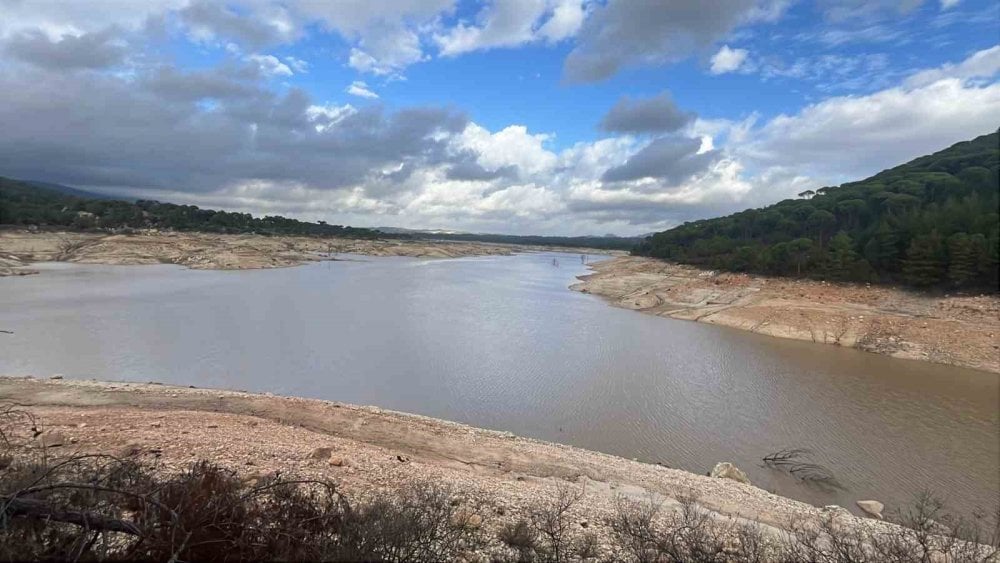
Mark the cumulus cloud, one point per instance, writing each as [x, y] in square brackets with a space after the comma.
[658, 114]
[360, 88]
[621, 34]
[728, 60]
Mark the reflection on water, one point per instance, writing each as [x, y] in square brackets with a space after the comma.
[500, 342]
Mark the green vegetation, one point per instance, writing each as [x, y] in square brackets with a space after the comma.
[932, 222]
[26, 203]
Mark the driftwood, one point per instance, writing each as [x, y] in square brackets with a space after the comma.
[794, 461]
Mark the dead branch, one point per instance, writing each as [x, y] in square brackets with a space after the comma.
[40, 510]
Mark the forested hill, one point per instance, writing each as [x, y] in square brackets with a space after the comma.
[32, 203]
[930, 222]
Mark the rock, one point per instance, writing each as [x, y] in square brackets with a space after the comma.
[56, 377]
[321, 453]
[52, 439]
[130, 450]
[726, 470]
[336, 462]
[835, 510]
[871, 507]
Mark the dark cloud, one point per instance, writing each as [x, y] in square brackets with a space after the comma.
[216, 20]
[222, 84]
[672, 159]
[89, 51]
[156, 130]
[658, 114]
[622, 33]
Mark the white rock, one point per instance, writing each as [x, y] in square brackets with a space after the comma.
[726, 470]
[871, 507]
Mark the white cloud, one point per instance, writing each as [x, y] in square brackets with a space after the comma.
[359, 88]
[567, 17]
[270, 66]
[948, 4]
[511, 146]
[325, 116]
[728, 60]
[982, 64]
[386, 49]
[512, 23]
[851, 137]
[298, 65]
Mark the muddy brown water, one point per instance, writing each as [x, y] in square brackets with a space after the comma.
[500, 342]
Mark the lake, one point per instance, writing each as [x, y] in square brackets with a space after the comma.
[501, 343]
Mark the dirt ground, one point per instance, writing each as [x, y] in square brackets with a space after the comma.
[956, 330]
[496, 474]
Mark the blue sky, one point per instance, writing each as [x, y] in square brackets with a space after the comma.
[488, 116]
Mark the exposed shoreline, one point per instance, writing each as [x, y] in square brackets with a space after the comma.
[209, 251]
[955, 330]
[374, 449]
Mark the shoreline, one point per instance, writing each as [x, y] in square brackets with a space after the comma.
[211, 251]
[953, 330]
[375, 449]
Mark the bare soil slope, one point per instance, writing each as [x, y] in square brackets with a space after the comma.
[370, 448]
[957, 330]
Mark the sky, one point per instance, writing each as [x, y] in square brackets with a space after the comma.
[555, 117]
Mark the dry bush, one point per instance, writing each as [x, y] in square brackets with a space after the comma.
[100, 507]
[420, 523]
[645, 533]
[551, 534]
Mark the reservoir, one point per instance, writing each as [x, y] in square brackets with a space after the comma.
[500, 342]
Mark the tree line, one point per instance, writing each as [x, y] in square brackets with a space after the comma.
[23, 203]
[930, 223]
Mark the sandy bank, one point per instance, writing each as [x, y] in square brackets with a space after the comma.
[371, 449]
[212, 251]
[960, 330]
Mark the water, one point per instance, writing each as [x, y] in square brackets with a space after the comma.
[499, 342]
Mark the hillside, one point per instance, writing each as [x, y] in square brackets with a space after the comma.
[33, 203]
[931, 222]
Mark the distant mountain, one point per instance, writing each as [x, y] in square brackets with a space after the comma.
[418, 232]
[66, 190]
[609, 242]
[930, 222]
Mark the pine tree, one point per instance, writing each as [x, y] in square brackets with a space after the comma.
[841, 257]
[925, 260]
[882, 250]
[963, 257]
